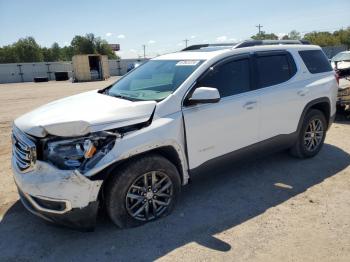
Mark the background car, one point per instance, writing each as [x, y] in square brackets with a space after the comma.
[132, 66]
[341, 63]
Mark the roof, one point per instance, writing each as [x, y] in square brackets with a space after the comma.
[191, 55]
[208, 54]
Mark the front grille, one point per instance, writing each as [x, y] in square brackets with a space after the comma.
[23, 150]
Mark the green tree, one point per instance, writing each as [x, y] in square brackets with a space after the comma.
[103, 48]
[55, 52]
[322, 38]
[8, 55]
[28, 50]
[47, 54]
[264, 36]
[343, 35]
[294, 35]
[67, 53]
[89, 44]
[83, 44]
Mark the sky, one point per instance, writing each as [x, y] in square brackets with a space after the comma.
[163, 25]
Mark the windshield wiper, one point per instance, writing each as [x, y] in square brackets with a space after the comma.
[122, 97]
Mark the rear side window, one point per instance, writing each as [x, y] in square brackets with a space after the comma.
[274, 69]
[315, 61]
[230, 78]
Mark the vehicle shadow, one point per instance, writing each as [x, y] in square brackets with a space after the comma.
[215, 201]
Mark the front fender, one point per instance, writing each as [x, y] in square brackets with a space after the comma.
[163, 132]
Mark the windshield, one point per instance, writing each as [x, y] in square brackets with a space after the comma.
[154, 80]
[341, 57]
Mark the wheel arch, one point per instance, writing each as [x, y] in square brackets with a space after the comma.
[167, 151]
[323, 104]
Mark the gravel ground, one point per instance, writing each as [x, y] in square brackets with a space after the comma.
[271, 209]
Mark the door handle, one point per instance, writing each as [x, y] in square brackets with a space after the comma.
[303, 92]
[250, 105]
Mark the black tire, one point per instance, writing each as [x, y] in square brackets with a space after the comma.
[119, 186]
[301, 147]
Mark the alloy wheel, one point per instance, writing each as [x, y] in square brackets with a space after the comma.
[314, 135]
[149, 196]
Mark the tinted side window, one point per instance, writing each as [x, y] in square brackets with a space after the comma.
[315, 61]
[274, 69]
[230, 79]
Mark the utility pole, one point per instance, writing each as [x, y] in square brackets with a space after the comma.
[259, 27]
[186, 41]
[144, 51]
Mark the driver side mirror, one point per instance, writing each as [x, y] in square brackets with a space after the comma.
[203, 95]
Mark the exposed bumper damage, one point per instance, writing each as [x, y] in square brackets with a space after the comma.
[70, 197]
[63, 197]
[344, 96]
[77, 218]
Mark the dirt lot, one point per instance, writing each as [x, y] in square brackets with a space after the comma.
[273, 209]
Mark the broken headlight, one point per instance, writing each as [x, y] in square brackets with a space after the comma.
[81, 153]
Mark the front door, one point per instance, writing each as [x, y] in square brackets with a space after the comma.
[213, 130]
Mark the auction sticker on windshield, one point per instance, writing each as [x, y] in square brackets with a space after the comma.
[188, 63]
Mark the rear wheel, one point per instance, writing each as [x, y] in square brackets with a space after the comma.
[311, 136]
[144, 190]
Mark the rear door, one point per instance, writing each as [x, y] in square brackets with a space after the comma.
[213, 130]
[280, 96]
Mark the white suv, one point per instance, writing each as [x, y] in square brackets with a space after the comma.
[131, 146]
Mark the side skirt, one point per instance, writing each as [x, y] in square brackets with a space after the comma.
[255, 151]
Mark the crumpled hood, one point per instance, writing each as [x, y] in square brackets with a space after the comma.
[84, 113]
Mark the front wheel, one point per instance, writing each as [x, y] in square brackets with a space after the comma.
[142, 191]
[312, 135]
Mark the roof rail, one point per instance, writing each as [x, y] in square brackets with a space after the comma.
[248, 43]
[196, 47]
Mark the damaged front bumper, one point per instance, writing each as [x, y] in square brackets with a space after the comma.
[77, 218]
[63, 197]
[344, 97]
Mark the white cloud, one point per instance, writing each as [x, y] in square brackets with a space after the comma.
[66, 43]
[109, 34]
[193, 36]
[221, 38]
[205, 41]
[233, 40]
[133, 51]
[151, 42]
[180, 44]
[121, 36]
